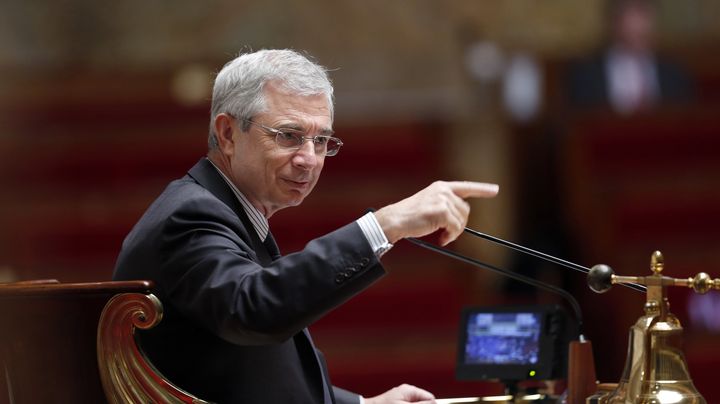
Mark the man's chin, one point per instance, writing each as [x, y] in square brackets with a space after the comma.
[294, 198]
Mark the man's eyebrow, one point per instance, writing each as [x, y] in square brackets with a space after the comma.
[299, 128]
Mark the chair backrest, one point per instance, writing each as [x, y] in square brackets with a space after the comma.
[75, 343]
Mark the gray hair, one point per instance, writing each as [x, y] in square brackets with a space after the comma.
[239, 86]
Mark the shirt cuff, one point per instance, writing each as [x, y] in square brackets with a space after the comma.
[374, 234]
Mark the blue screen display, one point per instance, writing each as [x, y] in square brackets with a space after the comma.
[503, 338]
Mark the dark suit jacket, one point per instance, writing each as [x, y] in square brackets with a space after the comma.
[587, 83]
[234, 327]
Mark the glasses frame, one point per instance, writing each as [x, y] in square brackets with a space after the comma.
[295, 133]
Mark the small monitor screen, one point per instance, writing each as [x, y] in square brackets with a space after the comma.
[513, 342]
[503, 338]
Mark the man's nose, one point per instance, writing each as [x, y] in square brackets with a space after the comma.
[306, 156]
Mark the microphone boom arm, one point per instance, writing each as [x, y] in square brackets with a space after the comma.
[522, 278]
[543, 256]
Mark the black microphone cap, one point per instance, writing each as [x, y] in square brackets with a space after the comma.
[599, 278]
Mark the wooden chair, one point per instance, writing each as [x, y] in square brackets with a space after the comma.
[75, 343]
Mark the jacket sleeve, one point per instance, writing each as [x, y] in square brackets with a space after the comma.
[210, 274]
[343, 396]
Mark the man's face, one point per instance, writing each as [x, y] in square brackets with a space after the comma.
[635, 28]
[271, 177]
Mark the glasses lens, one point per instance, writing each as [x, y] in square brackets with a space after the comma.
[332, 146]
[324, 145]
[288, 138]
[321, 144]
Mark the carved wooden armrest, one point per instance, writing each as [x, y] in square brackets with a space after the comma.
[127, 375]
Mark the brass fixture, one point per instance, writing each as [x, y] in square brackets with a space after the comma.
[655, 369]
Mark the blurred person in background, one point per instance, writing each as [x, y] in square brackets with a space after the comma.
[629, 76]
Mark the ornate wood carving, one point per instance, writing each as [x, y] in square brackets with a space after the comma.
[127, 375]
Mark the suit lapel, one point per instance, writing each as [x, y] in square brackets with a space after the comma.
[272, 247]
[207, 175]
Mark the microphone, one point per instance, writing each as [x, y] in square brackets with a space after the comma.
[599, 269]
[519, 277]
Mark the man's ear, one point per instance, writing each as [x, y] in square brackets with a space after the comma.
[224, 125]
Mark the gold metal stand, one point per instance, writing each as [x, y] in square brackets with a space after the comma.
[655, 368]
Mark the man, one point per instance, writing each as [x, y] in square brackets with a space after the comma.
[629, 76]
[236, 311]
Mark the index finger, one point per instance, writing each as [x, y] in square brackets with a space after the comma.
[471, 189]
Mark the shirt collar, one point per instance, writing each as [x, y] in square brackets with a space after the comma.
[259, 222]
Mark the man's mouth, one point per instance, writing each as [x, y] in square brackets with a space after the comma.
[297, 183]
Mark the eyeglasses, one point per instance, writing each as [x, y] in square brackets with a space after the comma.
[294, 139]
